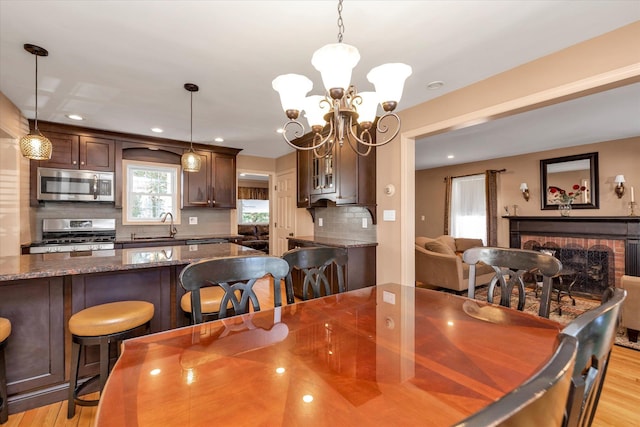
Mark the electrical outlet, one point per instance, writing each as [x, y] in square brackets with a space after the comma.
[364, 222]
[193, 220]
[319, 222]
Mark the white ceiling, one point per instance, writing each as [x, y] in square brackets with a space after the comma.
[122, 65]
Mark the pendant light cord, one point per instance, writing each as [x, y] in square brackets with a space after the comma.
[191, 140]
[36, 121]
[340, 22]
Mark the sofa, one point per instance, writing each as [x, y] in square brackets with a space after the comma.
[439, 263]
[631, 306]
[255, 236]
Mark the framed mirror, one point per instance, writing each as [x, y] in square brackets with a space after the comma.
[573, 178]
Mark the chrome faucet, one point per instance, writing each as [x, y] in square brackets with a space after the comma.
[172, 229]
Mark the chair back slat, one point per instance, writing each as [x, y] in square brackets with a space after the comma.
[510, 265]
[595, 331]
[236, 276]
[315, 262]
[540, 401]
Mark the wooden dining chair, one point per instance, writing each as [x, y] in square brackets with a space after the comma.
[510, 265]
[595, 331]
[313, 262]
[235, 277]
[540, 401]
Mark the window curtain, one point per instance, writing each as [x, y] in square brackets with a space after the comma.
[253, 193]
[491, 188]
[447, 204]
[468, 207]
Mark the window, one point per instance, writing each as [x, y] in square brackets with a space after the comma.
[468, 207]
[150, 189]
[252, 211]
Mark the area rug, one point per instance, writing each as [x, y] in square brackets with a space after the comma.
[569, 311]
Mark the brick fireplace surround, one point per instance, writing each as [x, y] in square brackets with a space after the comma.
[620, 236]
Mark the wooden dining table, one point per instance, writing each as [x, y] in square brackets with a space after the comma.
[383, 355]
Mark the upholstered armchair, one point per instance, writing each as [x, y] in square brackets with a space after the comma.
[631, 306]
[439, 263]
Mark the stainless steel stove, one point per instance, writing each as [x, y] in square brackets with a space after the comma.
[75, 235]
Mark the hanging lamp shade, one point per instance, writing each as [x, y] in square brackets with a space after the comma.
[191, 161]
[388, 80]
[335, 62]
[292, 89]
[35, 145]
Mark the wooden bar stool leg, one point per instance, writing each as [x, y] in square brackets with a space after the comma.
[104, 361]
[73, 378]
[4, 403]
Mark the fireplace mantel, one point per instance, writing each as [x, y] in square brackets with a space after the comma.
[625, 228]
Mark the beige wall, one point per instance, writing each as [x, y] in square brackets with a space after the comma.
[597, 64]
[614, 157]
[14, 180]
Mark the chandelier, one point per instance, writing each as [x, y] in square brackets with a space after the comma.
[35, 145]
[334, 116]
[190, 160]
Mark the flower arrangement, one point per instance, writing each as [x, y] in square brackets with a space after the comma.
[564, 197]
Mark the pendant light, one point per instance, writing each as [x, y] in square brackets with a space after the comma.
[36, 146]
[190, 160]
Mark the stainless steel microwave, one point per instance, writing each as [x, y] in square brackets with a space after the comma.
[75, 185]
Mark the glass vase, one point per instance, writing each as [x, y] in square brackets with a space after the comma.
[564, 209]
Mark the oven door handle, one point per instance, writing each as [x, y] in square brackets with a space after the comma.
[95, 187]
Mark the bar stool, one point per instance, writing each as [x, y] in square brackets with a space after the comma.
[5, 331]
[102, 325]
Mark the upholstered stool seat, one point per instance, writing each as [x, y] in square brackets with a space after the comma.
[102, 325]
[5, 331]
[210, 298]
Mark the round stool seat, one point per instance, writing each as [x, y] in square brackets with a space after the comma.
[210, 298]
[5, 329]
[111, 318]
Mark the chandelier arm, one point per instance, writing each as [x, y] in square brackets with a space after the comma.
[380, 129]
[351, 136]
[299, 133]
[36, 120]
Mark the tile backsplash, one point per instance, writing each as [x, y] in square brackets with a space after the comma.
[344, 222]
[210, 221]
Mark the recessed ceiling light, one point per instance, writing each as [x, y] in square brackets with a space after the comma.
[437, 84]
[157, 130]
[280, 130]
[218, 139]
[450, 156]
[75, 117]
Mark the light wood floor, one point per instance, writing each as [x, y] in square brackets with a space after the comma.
[619, 403]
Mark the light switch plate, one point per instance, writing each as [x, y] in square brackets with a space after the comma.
[389, 215]
[389, 297]
[320, 222]
[364, 223]
[193, 220]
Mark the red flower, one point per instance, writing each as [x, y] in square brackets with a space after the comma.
[575, 187]
[553, 189]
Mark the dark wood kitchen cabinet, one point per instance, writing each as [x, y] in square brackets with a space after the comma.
[360, 270]
[342, 177]
[73, 151]
[214, 185]
[35, 349]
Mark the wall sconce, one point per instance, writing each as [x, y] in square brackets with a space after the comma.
[525, 191]
[619, 180]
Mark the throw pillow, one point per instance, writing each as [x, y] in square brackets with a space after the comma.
[449, 241]
[438, 247]
[462, 244]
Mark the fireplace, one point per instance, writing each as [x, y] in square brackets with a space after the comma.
[593, 267]
[602, 249]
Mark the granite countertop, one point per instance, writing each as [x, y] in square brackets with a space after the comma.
[177, 238]
[62, 264]
[328, 241]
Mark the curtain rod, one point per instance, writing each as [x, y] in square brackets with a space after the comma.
[472, 174]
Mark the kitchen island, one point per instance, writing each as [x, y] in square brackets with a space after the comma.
[39, 293]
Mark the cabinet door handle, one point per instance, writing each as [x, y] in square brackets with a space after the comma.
[74, 162]
[82, 163]
[95, 187]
